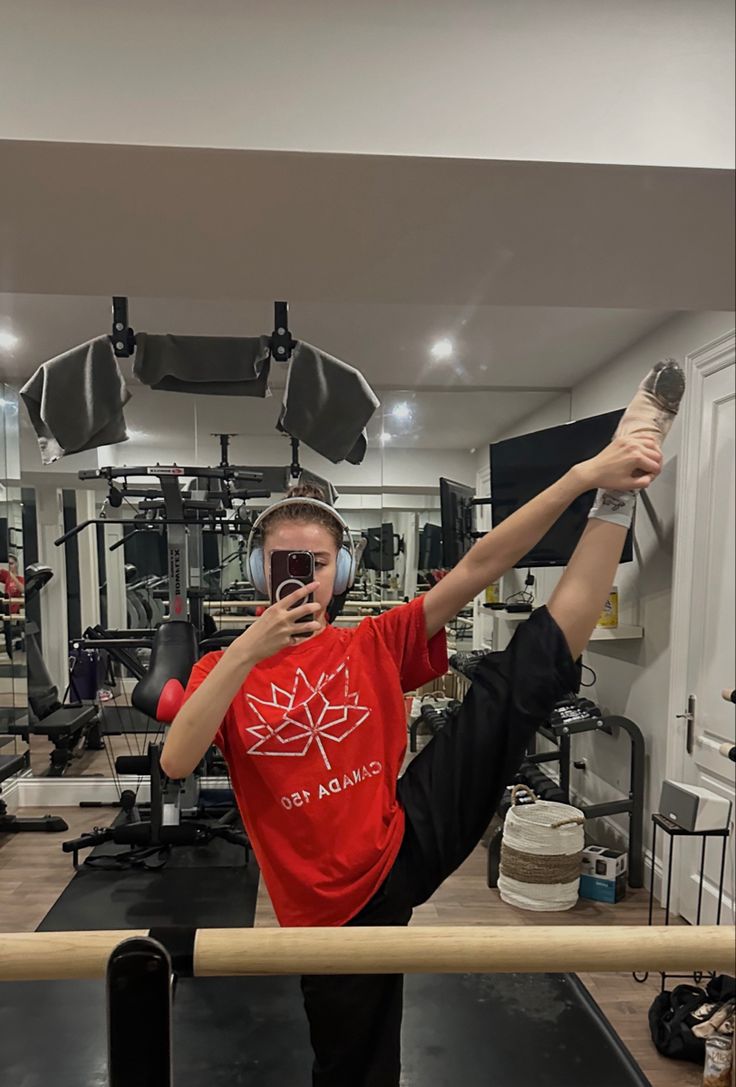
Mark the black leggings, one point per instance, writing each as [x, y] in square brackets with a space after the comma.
[8, 632]
[449, 793]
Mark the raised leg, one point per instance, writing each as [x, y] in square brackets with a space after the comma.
[577, 602]
[581, 593]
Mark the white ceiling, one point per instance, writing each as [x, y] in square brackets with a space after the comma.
[89, 219]
[569, 80]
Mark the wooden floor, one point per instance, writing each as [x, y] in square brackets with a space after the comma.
[34, 871]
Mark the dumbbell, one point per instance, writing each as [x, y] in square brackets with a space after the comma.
[435, 719]
[542, 784]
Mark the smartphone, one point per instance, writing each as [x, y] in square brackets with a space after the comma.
[291, 570]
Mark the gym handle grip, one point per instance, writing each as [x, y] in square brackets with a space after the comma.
[87, 840]
[73, 532]
[138, 765]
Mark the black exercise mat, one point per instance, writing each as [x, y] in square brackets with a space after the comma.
[505, 1030]
[206, 897]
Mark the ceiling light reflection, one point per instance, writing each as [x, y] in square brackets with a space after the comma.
[8, 340]
[442, 349]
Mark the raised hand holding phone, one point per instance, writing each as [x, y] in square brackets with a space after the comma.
[285, 623]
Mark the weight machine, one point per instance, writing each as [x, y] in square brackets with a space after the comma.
[173, 651]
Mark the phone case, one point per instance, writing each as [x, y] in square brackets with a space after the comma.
[287, 575]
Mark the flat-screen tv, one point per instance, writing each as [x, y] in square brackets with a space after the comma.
[457, 521]
[379, 553]
[522, 467]
[430, 547]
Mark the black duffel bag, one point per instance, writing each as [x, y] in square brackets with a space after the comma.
[673, 1015]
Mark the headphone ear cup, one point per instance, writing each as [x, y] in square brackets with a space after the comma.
[345, 573]
[257, 571]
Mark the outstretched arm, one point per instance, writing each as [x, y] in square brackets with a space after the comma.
[499, 550]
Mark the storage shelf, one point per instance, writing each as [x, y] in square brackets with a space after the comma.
[601, 634]
[611, 634]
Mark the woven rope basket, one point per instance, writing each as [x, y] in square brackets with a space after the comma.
[541, 854]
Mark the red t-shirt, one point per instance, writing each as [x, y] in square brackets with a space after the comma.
[13, 585]
[314, 741]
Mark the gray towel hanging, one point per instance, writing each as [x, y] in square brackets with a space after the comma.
[210, 365]
[75, 401]
[327, 404]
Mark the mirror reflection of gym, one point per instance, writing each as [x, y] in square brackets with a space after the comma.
[14, 753]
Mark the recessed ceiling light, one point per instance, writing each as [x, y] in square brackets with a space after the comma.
[385, 438]
[442, 349]
[401, 411]
[8, 340]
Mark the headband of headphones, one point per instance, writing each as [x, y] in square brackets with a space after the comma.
[346, 559]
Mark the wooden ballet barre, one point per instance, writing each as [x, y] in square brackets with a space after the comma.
[369, 605]
[32, 956]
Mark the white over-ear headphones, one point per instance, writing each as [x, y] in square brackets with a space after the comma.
[346, 560]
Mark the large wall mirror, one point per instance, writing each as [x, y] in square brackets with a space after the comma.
[110, 580]
[13, 614]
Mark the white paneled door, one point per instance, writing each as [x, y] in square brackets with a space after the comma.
[704, 618]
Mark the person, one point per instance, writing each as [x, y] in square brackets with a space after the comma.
[312, 725]
[12, 583]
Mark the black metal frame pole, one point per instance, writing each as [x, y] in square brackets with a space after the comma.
[139, 994]
[654, 862]
[721, 878]
[669, 881]
[565, 764]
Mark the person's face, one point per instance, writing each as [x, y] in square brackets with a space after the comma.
[13, 565]
[306, 536]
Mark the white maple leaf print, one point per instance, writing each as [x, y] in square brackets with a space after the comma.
[307, 715]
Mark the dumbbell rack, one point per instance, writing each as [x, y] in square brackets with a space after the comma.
[560, 731]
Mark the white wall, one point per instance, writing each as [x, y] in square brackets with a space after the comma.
[387, 468]
[633, 676]
[636, 81]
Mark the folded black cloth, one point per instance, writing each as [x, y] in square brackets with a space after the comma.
[210, 365]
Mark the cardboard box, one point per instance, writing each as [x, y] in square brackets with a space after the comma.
[603, 877]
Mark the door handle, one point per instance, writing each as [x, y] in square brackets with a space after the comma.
[690, 718]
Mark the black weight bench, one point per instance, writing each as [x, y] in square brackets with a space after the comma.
[66, 727]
